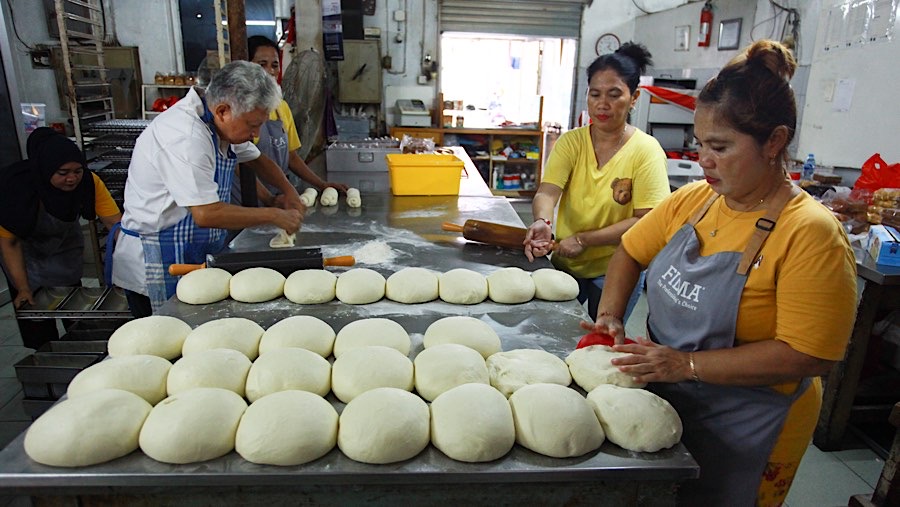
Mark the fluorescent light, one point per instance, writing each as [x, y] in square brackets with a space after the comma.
[254, 22]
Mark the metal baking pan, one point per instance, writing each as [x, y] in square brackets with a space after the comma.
[35, 408]
[82, 299]
[49, 298]
[113, 300]
[92, 330]
[93, 347]
[77, 302]
[47, 375]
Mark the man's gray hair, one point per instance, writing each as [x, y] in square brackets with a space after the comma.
[244, 86]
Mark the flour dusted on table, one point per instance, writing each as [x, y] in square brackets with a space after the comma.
[374, 252]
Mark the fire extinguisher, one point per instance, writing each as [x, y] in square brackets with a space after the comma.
[705, 25]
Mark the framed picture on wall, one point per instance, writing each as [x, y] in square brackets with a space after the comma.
[729, 34]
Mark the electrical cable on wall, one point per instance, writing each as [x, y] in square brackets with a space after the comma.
[12, 20]
[399, 38]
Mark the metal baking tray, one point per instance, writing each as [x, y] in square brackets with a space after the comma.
[47, 375]
[35, 408]
[92, 347]
[82, 299]
[75, 302]
[113, 300]
[49, 298]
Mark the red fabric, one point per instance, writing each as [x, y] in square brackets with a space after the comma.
[679, 99]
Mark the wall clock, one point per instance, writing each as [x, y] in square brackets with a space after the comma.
[359, 73]
[606, 44]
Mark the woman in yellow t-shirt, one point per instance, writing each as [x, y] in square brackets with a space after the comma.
[751, 288]
[41, 201]
[604, 176]
[278, 138]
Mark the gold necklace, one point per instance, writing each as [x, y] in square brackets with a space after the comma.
[614, 150]
[716, 228]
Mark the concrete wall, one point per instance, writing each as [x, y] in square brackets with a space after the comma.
[839, 138]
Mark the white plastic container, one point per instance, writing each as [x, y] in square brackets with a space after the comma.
[33, 115]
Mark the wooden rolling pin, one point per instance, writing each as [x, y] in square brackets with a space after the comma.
[505, 236]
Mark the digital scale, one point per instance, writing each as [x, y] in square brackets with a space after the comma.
[413, 113]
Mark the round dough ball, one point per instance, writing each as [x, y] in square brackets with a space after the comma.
[472, 423]
[384, 425]
[235, 333]
[156, 335]
[360, 286]
[366, 368]
[94, 428]
[510, 285]
[310, 286]
[463, 287]
[443, 367]
[555, 421]
[517, 368]
[412, 285]
[635, 419]
[257, 285]
[192, 426]
[204, 286]
[288, 369]
[463, 330]
[222, 368]
[554, 285]
[376, 331]
[300, 331]
[142, 375]
[287, 428]
[591, 367]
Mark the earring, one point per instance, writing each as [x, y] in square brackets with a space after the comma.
[772, 162]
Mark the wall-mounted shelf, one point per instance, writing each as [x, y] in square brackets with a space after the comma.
[151, 92]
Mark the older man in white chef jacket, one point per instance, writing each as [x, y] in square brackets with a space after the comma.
[179, 183]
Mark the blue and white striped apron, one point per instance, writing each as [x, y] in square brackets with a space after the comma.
[185, 242]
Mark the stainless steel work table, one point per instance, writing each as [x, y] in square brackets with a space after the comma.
[411, 227]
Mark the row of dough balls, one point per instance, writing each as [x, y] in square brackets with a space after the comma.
[471, 423]
[441, 367]
[169, 337]
[359, 286]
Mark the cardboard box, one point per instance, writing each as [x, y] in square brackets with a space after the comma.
[883, 244]
[424, 174]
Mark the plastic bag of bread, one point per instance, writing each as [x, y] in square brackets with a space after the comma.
[411, 144]
[886, 197]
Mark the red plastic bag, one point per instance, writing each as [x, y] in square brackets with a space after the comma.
[876, 173]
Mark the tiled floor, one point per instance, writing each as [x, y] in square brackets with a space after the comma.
[824, 479]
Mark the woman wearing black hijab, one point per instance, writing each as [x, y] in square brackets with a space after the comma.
[41, 201]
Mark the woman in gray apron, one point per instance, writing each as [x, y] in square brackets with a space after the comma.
[41, 201]
[278, 136]
[740, 268]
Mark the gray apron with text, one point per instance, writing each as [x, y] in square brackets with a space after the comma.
[54, 252]
[693, 301]
[273, 143]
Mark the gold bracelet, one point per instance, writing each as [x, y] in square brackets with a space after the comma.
[578, 240]
[694, 376]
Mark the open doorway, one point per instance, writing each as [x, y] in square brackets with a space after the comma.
[499, 79]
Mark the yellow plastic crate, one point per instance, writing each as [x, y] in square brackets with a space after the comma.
[424, 174]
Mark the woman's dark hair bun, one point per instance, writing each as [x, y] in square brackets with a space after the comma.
[637, 52]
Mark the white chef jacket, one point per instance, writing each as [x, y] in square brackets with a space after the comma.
[172, 167]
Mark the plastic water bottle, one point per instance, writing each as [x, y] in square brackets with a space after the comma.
[809, 167]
